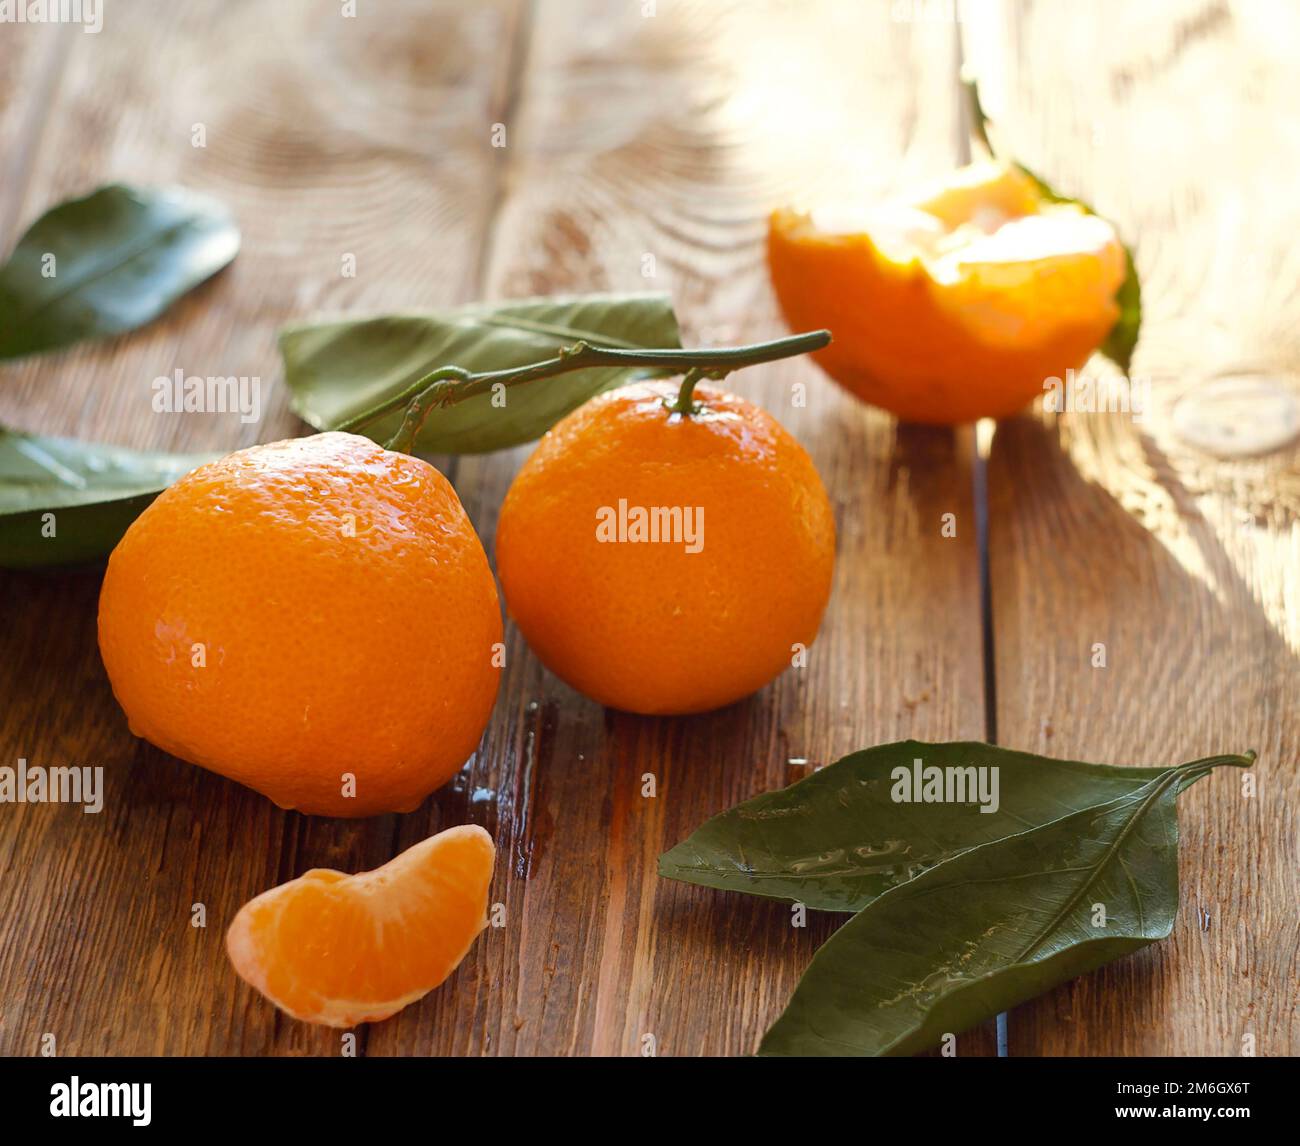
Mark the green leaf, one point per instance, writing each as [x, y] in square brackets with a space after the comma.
[836, 840]
[85, 492]
[992, 928]
[1123, 337]
[339, 370]
[109, 263]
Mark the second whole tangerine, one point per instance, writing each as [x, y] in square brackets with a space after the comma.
[686, 622]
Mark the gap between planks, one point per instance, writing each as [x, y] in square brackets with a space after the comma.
[979, 456]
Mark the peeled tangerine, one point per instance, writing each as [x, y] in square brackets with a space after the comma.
[957, 305]
[343, 949]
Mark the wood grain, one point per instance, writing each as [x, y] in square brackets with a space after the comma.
[33, 67]
[1106, 529]
[669, 135]
[672, 136]
[327, 136]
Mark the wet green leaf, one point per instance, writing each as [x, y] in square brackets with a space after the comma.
[338, 370]
[993, 927]
[836, 840]
[64, 501]
[109, 263]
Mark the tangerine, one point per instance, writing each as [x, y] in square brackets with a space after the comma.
[957, 305]
[314, 618]
[710, 609]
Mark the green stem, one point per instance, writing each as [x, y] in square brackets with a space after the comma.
[685, 403]
[1209, 763]
[979, 125]
[451, 384]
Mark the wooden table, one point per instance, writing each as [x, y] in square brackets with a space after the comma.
[670, 129]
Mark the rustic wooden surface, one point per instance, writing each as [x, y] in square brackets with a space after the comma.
[1106, 531]
[668, 135]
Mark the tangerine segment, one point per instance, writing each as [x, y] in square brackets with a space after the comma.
[673, 624]
[314, 618]
[956, 305]
[342, 949]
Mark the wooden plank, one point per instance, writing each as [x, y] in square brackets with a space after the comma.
[327, 135]
[668, 135]
[1110, 531]
[31, 68]
[672, 136]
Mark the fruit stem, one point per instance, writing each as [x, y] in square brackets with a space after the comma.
[979, 122]
[448, 385]
[685, 402]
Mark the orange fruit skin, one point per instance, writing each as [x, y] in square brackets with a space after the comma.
[345, 612]
[341, 949]
[895, 345]
[646, 626]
